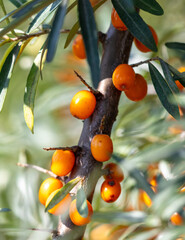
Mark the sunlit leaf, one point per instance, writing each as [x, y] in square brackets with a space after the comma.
[62, 193]
[81, 203]
[134, 22]
[163, 91]
[90, 37]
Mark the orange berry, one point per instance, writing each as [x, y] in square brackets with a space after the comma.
[182, 189]
[117, 22]
[78, 47]
[83, 104]
[139, 90]
[94, 2]
[110, 190]
[176, 219]
[62, 162]
[153, 183]
[140, 46]
[145, 198]
[75, 216]
[101, 147]
[60, 207]
[114, 172]
[47, 187]
[179, 85]
[123, 77]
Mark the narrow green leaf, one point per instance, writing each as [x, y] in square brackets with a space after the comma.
[163, 91]
[81, 203]
[54, 35]
[42, 15]
[18, 3]
[62, 193]
[168, 77]
[6, 71]
[36, 8]
[175, 45]
[150, 6]
[26, 8]
[30, 91]
[89, 32]
[5, 210]
[134, 22]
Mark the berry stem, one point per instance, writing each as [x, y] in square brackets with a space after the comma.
[40, 169]
[143, 62]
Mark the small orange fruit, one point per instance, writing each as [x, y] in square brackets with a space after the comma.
[123, 77]
[60, 207]
[145, 198]
[110, 190]
[140, 46]
[139, 90]
[101, 147]
[83, 104]
[176, 219]
[94, 2]
[114, 172]
[78, 47]
[179, 85]
[47, 187]
[182, 189]
[117, 22]
[76, 218]
[62, 162]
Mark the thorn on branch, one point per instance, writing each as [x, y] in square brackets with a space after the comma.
[102, 124]
[73, 148]
[143, 62]
[95, 92]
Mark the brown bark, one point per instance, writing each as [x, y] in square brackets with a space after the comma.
[116, 51]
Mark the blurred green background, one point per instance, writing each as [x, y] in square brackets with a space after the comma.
[141, 128]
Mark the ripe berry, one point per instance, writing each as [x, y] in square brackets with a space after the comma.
[94, 2]
[179, 85]
[76, 218]
[83, 104]
[117, 22]
[140, 46]
[101, 147]
[62, 162]
[114, 172]
[47, 187]
[123, 77]
[139, 90]
[110, 190]
[176, 219]
[78, 47]
[60, 207]
[143, 196]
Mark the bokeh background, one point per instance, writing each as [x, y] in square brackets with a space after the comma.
[141, 128]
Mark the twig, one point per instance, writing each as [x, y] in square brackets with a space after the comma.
[73, 148]
[40, 169]
[95, 92]
[146, 61]
[101, 37]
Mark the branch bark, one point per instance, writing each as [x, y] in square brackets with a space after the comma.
[117, 47]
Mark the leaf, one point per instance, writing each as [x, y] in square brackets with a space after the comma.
[168, 77]
[62, 193]
[30, 91]
[89, 33]
[150, 6]
[23, 17]
[175, 45]
[53, 36]
[18, 3]
[81, 203]
[6, 69]
[122, 218]
[134, 22]
[5, 210]
[163, 91]
[42, 15]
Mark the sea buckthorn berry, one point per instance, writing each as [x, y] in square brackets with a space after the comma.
[123, 77]
[62, 162]
[139, 90]
[117, 22]
[145, 198]
[179, 85]
[114, 172]
[94, 2]
[176, 219]
[140, 46]
[101, 147]
[182, 189]
[47, 187]
[110, 190]
[83, 104]
[60, 207]
[78, 47]
[75, 216]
